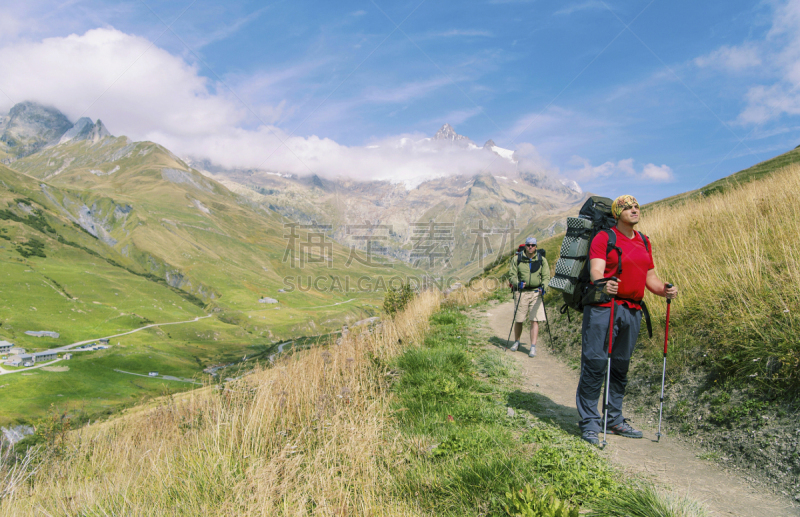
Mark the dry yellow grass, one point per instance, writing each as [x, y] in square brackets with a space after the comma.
[735, 259]
[309, 436]
[312, 435]
[474, 292]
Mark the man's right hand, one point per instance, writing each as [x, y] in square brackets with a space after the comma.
[611, 288]
[521, 286]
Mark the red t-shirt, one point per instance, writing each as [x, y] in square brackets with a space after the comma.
[636, 262]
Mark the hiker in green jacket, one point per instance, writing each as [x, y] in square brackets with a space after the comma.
[530, 272]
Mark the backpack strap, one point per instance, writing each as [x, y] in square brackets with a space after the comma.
[645, 240]
[612, 245]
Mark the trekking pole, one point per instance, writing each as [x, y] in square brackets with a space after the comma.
[608, 368]
[547, 320]
[514, 318]
[664, 370]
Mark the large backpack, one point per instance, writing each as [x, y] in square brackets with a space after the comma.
[572, 269]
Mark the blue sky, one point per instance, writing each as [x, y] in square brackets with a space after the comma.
[648, 97]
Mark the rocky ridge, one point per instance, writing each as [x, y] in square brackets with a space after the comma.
[30, 127]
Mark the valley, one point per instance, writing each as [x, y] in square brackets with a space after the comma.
[102, 235]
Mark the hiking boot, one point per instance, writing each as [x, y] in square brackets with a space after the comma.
[625, 429]
[515, 346]
[591, 437]
[532, 353]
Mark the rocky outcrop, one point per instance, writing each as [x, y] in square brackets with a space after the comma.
[187, 177]
[29, 127]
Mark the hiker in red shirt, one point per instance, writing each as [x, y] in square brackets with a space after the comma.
[636, 272]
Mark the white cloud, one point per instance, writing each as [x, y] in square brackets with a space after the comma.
[583, 170]
[733, 59]
[779, 53]
[656, 173]
[146, 93]
[131, 84]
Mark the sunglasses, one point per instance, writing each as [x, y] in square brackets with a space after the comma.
[531, 245]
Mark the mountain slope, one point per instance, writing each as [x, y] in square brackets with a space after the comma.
[181, 226]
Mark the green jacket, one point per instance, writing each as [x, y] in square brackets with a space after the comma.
[522, 272]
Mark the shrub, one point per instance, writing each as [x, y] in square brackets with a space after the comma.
[397, 298]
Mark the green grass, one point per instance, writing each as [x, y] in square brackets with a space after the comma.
[92, 388]
[452, 398]
[646, 501]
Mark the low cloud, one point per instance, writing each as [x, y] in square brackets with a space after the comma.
[583, 170]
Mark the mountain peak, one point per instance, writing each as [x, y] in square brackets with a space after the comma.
[489, 144]
[85, 129]
[30, 126]
[448, 133]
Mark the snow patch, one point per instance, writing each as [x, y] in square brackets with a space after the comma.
[508, 154]
[572, 185]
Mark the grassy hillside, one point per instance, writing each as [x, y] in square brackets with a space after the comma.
[408, 419]
[103, 238]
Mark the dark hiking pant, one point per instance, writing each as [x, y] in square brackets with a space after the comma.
[594, 359]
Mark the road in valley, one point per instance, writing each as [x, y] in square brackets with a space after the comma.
[66, 348]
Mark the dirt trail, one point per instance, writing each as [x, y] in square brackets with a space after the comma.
[668, 463]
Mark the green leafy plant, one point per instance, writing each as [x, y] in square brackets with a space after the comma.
[397, 298]
[527, 503]
[51, 431]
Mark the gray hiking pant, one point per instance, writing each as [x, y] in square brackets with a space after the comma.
[594, 359]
